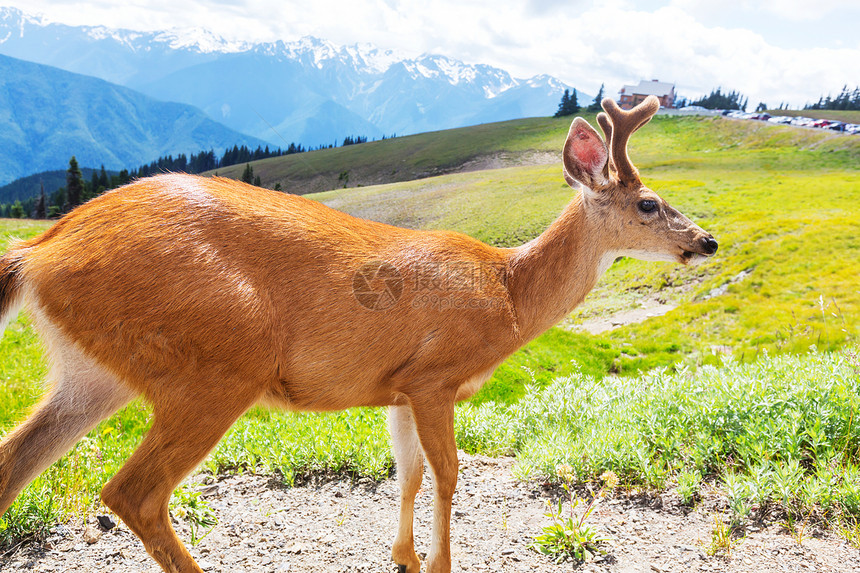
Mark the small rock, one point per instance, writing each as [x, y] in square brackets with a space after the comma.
[208, 490]
[106, 522]
[91, 535]
[507, 551]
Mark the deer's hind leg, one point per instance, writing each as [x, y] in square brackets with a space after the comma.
[434, 423]
[82, 396]
[410, 468]
[187, 424]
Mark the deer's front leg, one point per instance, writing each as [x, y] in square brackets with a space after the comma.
[434, 422]
[410, 470]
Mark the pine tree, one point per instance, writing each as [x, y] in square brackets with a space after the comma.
[573, 106]
[103, 178]
[719, 100]
[58, 198]
[565, 103]
[74, 184]
[257, 182]
[568, 105]
[40, 212]
[847, 99]
[595, 105]
[17, 210]
[248, 174]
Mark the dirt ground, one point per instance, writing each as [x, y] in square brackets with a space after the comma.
[336, 525]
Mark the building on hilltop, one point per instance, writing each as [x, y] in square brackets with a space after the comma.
[632, 95]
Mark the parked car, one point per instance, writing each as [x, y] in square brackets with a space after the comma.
[852, 128]
[821, 123]
[780, 119]
[836, 126]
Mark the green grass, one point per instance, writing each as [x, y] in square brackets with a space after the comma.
[782, 202]
[779, 435]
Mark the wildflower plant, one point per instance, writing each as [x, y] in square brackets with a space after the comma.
[570, 537]
[189, 505]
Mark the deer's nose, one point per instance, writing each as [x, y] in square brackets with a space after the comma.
[709, 244]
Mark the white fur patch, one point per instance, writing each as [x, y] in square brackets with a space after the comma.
[11, 313]
[643, 255]
[606, 261]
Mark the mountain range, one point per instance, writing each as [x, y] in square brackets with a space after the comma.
[47, 115]
[309, 91]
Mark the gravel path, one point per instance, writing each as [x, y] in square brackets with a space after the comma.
[334, 526]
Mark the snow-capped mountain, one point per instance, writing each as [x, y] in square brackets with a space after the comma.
[308, 91]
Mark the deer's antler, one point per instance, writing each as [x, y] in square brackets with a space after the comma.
[618, 125]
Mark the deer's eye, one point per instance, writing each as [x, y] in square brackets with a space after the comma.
[647, 205]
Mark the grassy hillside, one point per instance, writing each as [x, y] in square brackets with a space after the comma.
[510, 143]
[410, 157]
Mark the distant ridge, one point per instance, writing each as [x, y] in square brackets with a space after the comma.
[48, 115]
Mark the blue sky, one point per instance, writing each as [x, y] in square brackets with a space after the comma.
[770, 50]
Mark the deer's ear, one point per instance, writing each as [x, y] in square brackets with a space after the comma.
[585, 156]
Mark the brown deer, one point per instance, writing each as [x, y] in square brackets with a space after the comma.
[208, 296]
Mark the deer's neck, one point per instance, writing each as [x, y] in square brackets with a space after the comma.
[551, 275]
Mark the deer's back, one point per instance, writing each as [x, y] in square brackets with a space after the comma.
[185, 278]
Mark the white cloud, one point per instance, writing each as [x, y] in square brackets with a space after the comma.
[696, 43]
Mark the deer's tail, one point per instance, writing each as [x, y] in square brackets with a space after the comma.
[11, 280]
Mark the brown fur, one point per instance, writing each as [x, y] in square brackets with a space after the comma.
[208, 296]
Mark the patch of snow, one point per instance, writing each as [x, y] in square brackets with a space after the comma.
[200, 39]
[455, 70]
[418, 69]
[368, 58]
